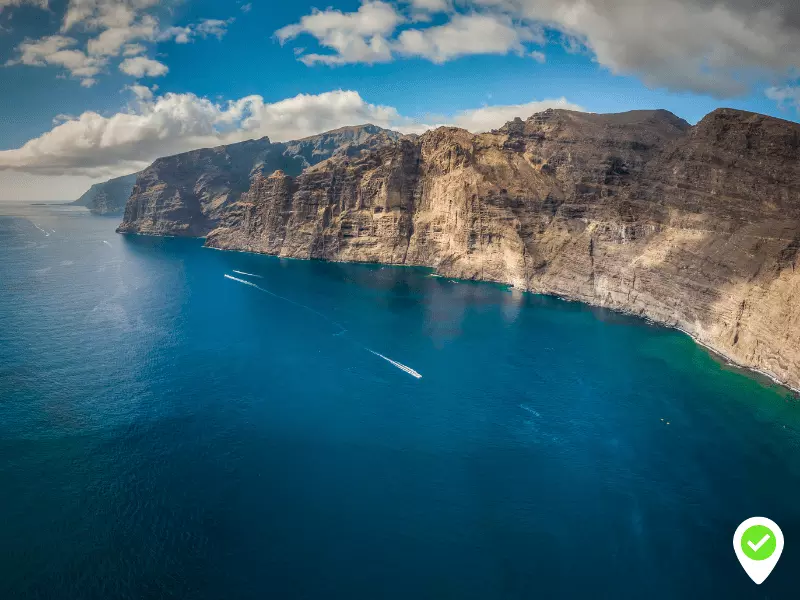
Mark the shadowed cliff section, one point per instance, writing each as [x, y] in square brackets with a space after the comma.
[110, 197]
[187, 194]
[694, 227]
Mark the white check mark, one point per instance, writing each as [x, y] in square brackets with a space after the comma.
[757, 546]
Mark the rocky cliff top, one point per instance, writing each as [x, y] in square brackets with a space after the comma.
[188, 193]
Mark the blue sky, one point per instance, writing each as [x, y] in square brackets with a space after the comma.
[98, 88]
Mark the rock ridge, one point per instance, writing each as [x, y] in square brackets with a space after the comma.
[109, 197]
[188, 194]
[696, 227]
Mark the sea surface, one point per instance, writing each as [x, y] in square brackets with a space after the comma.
[178, 422]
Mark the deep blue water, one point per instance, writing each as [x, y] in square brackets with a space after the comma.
[166, 432]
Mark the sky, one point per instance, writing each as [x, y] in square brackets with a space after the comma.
[94, 89]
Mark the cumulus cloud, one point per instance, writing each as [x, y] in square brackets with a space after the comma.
[487, 118]
[58, 50]
[111, 40]
[7, 3]
[357, 37]
[370, 34]
[785, 96]
[433, 6]
[717, 47]
[134, 50]
[140, 92]
[117, 28]
[141, 66]
[203, 29]
[466, 34]
[96, 145]
[103, 14]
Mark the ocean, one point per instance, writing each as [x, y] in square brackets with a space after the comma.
[179, 422]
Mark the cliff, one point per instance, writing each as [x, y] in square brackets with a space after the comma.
[188, 193]
[694, 227]
[108, 198]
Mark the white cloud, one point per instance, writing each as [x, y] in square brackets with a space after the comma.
[466, 34]
[57, 50]
[133, 49]
[34, 52]
[203, 29]
[141, 66]
[369, 35]
[140, 92]
[433, 6]
[785, 96]
[215, 27]
[103, 14]
[96, 145]
[539, 57]
[355, 37]
[7, 3]
[180, 35]
[493, 117]
[118, 27]
[718, 47]
[246, 7]
[111, 40]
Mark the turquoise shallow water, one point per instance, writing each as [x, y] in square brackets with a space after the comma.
[168, 432]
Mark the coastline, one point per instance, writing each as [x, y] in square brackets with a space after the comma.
[433, 273]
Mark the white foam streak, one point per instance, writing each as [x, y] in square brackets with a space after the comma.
[248, 274]
[400, 366]
[274, 295]
[250, 283]
[42, 230]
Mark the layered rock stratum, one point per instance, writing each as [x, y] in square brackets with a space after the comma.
[695, 227]
[189, 193]
[109, 197]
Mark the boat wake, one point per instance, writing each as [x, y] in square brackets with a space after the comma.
[248, 274]
[342, 331]
[274, 295]
[400, 366]
[250, 283]
[42, 230]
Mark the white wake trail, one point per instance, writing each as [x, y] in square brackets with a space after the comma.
[250, 283]
[400, 366]
[248, 274]
[107, 244]
[42, 230]
[274, 295]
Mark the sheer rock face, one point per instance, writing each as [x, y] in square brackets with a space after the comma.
[187, 194]
[694, 227]
[108, 198]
